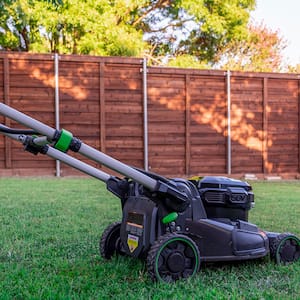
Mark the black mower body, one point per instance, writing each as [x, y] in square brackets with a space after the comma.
[215, 219]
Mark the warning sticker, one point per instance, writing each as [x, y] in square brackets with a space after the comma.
[132, 242]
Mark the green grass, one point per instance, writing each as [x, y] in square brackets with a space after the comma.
[49, 236]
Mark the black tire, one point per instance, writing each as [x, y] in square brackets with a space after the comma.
[110, 241]
[172, 257]
[285, 248]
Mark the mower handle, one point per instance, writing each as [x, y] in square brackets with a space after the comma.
[100, 157]
[62, 140]
[40, 143]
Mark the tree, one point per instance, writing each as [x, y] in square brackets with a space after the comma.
[189, 33]
[261, 51]
[67, 26]
[14, 26]
[294, 69]
[160, 28]
[192, 28]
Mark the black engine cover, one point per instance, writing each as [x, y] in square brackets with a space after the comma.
[226, 198]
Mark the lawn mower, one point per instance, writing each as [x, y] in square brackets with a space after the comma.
[174, 224]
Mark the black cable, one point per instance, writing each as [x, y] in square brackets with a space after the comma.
[6, 129]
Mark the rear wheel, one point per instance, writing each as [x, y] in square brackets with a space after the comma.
[110, 241]
[172, 257]
[285, 248]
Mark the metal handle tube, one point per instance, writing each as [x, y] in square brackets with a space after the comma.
[27, 121]
[77, 164]
[67, 159]
[85, 150]
[118, 166]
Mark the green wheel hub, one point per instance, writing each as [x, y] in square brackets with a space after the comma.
[285, 248]
[173, 257]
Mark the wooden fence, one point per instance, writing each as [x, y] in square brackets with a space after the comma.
[177, 122]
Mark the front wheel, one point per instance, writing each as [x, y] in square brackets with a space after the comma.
[285, 248]
[110, 241]
[172, 257]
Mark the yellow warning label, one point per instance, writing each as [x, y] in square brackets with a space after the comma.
[132, 242]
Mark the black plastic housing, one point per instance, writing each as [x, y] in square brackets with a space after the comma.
[226, 197]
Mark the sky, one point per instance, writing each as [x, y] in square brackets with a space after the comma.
[282, 15]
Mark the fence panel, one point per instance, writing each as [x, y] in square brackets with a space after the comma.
[166, 122]
[28, 87]
[283, 126]
[208, 124]
[247, 110]
[123, 89]
[101, 102]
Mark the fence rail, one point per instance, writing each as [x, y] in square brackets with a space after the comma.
[177, 122]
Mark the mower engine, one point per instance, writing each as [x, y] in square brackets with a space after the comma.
[226, 197]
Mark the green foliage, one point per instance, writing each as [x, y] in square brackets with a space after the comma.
[190, 33]
[117, 27]
[13, 22]
[49, 234]
[262, 50]
[187, 61]
[294, 69]
[218, 23]
[69, 26]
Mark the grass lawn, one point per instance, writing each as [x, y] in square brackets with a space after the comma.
[49, 234]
